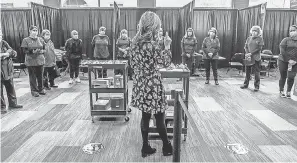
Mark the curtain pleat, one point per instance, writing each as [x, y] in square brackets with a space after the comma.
[246, 19]
[225, 23]
[15, 26]
[276, 28]
[45, 17]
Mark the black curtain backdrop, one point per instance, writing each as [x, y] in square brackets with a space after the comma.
[232, 32]
[225, 23]
[202, 22]
[45, 17]
[15, 26]
[170, 24]
[186, 14]
[277, 23]
[247, 18]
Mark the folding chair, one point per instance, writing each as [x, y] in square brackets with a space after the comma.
[236, 62]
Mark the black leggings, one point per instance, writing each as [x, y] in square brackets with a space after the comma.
[286, 75]
[160, 124]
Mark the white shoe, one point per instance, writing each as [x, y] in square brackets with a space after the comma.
[71, 81]
[77, 80]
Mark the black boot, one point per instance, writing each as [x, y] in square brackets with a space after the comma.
[167, 149]
[147, 150]
[207, 81]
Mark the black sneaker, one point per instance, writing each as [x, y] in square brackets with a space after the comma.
[3, 110]
[42, 92]
[47, 88]
[243, 86]
[216, 82]
[289, 95]
[256, 89]
[207, 82]
[15, 106]
[282, 94]
[54, 86]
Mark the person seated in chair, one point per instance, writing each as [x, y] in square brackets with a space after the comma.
[7, 75]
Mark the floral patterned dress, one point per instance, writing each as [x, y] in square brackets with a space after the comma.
[148, 92]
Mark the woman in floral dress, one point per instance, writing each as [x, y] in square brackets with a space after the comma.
[148, 93]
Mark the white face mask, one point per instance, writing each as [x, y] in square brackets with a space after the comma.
[102, 32]
[190, 33]
[47, 37]
[75, 36]
[124, 35]
[34, 34]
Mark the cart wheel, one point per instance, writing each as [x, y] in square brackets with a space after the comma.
[129, 110]
[127, 119]
[185, 137]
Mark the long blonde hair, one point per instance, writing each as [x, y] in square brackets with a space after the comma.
[149, 25]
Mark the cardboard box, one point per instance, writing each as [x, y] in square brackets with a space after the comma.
[102, 104]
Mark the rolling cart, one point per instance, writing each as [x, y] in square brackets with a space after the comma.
[185, 75]
[109, 110]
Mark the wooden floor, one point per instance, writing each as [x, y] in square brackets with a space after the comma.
[55, 127]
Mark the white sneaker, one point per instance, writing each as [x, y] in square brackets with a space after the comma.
[77, 80]
[71, 81]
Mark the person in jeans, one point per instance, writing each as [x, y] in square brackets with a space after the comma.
[253, 47]
[50, 60]
[287, 62]
[73, 47]
[148, 92]
[34, 49]
[100, 44]
[123, 51]
[211, 47]
[7, 53]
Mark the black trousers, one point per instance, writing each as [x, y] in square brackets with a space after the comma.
[160, 123]
[48, 76]
[256, 68]
[286, 75]
[74, 68]
[214, 65]
[36, 78]
[9, 86]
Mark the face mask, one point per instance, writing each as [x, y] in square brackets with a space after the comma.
[102, 32]
[47, 37]
[34, 34]
[75, 36]
[189, 33]
[124, 35]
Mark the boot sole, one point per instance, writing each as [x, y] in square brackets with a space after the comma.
[147, 154]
